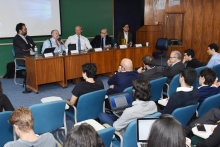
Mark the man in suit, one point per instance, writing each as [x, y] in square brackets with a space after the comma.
[174, 66]
[124, 34]
[101, 40]
[22, 43]
[150, 71]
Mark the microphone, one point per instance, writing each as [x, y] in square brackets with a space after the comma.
[60, 41]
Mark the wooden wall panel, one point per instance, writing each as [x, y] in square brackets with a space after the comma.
[201, 23]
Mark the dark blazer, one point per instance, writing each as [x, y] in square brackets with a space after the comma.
[96, 42]
[171, 71]
[154, 73]
[121, 35]
[194, 63]
[21, 47]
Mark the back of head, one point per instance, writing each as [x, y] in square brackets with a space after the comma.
[177, 54]
[148, 60]
[19, 27]
[209, 76]
[213, 46]
[127, 64]
[190, 52]
[83, 135]
[22, 117]
[166, 132]
[142, 89]
[189, 75]
[90, 69]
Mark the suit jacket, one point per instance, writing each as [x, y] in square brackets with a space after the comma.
[171, 71]
[121, 35]
[20, 46]
[154, 73]
[96, 42]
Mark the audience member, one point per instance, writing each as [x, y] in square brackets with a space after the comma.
[174, 66]
[83, 135]
[213, 51]
[189, 59]
[54, 41]
[140, 108]
[167, 132]
[206, 80]
[186, 94]
[100, 41]
[22, 122]
[123, 78]
[89, 85]
[81, 42]
[124, 34]
[211, 117]
[150, 71]
[5, 103]
[22, 43]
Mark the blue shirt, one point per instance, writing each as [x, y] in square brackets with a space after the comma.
[47, 44]
[215, 60]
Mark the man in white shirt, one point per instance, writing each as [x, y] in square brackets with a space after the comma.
[213, 51]
[81, 42]
[54, 42]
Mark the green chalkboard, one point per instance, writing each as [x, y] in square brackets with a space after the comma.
[92, 15]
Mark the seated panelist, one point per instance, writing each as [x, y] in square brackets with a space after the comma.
[101, 40]
[54, 41]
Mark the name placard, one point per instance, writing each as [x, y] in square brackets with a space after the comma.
[98, 49]
[138, 45]
[122, 46]
[46, 55]
[74, 52]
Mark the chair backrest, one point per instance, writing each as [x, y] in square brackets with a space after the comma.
[90, 105]
[130, 135]
[198, 70]
[106, 135]
[6, 129]
[174, 84]
[154, 115]
[13, 52]
[184, 114]
[48, 116]
[209, 103]
[129, 90]
[162, 44]
[156, 87]
[217, 70]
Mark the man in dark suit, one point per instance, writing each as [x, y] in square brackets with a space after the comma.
[124, 34]
[22, 43]
[174, 65]
[101, 40]
[150, 71]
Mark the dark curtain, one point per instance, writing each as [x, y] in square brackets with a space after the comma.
[131, 12]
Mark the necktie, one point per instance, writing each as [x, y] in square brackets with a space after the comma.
[57, 43]
[102, 41]
[79, 43]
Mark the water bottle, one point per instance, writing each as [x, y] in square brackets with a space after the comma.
[36, 52]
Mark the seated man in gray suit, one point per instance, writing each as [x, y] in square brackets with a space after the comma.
[150, 71]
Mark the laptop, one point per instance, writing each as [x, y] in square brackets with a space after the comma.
[143, 130]
[119, 102]
[71, 47]
[49, 50]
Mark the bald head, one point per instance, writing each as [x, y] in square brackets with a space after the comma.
[127, 64]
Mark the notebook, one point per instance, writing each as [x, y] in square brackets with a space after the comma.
[143, 130]
[119, 102]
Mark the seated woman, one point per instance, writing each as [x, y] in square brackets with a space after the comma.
[140, 108]
[83, 135]
[4, 101]
[167, 132]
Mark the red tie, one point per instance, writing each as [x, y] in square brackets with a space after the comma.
[57, 43]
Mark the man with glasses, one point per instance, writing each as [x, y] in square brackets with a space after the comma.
[174, 66]
[100, 41]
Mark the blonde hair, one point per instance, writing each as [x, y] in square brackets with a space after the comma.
[22, 117]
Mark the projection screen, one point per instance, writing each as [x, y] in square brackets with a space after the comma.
[40, 16]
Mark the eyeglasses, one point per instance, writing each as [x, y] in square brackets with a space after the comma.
[172, 57]
[103, 33]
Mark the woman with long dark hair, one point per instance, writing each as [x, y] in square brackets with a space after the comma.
[4, 101]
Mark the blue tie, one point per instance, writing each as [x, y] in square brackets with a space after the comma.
[79, 43]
